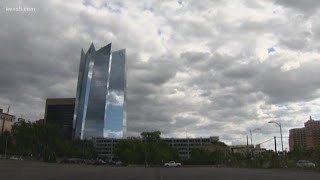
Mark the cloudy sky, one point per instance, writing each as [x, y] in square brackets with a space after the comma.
[195, 68]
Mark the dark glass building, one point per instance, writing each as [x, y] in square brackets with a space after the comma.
[100, 99]
[60, 111]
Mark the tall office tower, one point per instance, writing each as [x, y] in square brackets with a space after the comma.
[100, 109]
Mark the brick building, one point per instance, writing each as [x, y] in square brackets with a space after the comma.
[305, 138]
[297, 139]
[312, 131]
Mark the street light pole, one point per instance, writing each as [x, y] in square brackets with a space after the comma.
[281, 137]
[279, 124]
[251, 131]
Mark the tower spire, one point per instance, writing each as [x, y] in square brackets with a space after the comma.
[91, 48]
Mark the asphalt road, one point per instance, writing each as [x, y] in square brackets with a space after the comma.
[23, 170]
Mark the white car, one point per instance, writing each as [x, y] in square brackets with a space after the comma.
[172, 164]
[305, 164]
[16, 158]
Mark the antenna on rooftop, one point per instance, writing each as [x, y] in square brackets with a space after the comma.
[186, 132]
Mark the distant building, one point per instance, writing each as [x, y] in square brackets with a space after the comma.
[259, 151]
[248, 150]
[297, 139]
[185, 145]
[40, 121]
[6, 121]
[215, 146]
[105, 146]
[312, 129]
[60, 111]
[241, 149]
[305, 138]
[20, 119]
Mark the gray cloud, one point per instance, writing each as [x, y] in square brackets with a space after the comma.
[307, 6]
[295, 85]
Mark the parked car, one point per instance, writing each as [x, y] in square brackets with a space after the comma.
[73, 161]
[16, 158]
[90, 161]
[172, 164]
[305, 164]
[99, 162]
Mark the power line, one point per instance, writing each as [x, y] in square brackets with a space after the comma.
[271, 139]
[266, 141]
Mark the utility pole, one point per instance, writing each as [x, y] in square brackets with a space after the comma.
[275, 144]
[247, 141]
[251, 137]
[188, 148]
[281, 139]
[5, 151]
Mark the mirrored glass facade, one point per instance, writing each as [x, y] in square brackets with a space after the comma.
[101, 94]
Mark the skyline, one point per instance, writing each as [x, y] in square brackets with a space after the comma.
[194, 68]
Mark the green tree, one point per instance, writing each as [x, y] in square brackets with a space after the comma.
[130, 151]
[47, 142]
[157, 151]
[149, 149]
[5, 142]
[316, 155]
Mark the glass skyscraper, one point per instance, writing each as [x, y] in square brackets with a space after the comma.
[100, 109]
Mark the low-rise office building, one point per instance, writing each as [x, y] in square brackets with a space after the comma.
[105, 146]
[40, 121]
[248, 150]
[185, 145]
[241, 149]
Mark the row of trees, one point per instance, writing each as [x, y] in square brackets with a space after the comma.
[204, 156]
[149, 149]
[47, 142]
[44, 142]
